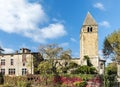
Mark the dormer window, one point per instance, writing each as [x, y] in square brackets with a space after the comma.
[89, 29]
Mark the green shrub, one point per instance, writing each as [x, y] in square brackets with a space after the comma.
[7, 85]
[64, 85]
[73, 65]
[84, 70]
[13, 81]
[80, 84]
[23, 84]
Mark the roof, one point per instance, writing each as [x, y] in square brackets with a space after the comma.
[25, 49]
[89, 20]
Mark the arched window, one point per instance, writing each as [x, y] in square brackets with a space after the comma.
[88, 29]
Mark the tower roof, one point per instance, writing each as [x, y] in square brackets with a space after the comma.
[89, 20]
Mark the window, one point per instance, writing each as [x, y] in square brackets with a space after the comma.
[89, 29]
[23, 64]
[3, 71]
[2, 61]
[12, 71]
[101, 66]
[12, 61]
[24, 71]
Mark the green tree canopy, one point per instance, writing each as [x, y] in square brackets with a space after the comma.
[53, 53]
[44, 67]
[111, 68]
[111, 47]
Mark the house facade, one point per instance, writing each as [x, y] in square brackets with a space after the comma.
[19, 63]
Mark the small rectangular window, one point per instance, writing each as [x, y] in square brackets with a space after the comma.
[101, 66]
[24, 71]
[11, 71]
[12, 62]
[2, 61]
[23, 64]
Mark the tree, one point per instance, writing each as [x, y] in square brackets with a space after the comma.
[111, 47]
[37, 58]
[65, 57]
[44, 67]
[111, 68]
[52, 52]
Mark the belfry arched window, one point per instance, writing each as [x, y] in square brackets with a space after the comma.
[89, 29]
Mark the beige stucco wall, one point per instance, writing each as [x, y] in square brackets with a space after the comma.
[18, 64]
[76, 61]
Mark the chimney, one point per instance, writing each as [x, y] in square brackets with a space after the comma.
[25, 50]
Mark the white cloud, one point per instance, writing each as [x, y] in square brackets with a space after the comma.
[108, 60]
[55, 20]
[99, 6]
[23, 18]
[104, 24]
[8, 50]
[100, 53]
[73, 39]
[51, 32]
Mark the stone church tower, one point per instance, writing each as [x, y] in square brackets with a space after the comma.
[89, 41]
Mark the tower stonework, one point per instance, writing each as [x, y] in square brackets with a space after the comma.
[89, 41]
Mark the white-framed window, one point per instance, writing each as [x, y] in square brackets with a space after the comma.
[12, 62]
[11, 71]
[3, 71]
[2, 61]
[24, 71]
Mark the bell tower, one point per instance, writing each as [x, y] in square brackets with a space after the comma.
[89, 40]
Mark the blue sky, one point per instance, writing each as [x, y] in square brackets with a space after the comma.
[30, 23]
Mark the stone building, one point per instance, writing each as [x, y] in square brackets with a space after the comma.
[89, 44]
[19, 63]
